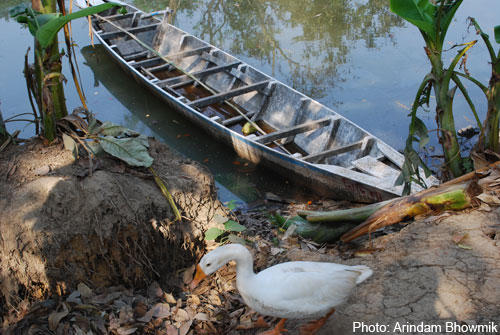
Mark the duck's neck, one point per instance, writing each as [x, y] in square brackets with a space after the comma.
[244, 264]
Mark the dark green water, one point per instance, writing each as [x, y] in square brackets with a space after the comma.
[353, 56]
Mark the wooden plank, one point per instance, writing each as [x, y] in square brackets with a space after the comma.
[113, 34]
[229, 94]
[117, 17]
[313, 158]
[235, 119]
[189, 53]
[333, 133]
[147, 63]
[301, 128]
[137, 55]
[151, 76]
[185, 80]
[367, 145]
[373, 167]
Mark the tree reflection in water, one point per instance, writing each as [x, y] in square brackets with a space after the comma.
[302, 43]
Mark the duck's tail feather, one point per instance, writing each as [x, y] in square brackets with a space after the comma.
[365, 272]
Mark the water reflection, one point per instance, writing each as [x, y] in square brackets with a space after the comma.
[300, 42]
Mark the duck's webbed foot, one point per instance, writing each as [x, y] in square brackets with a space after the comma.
[277, 330]
[310, 328]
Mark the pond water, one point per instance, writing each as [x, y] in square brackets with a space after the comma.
[354, 56]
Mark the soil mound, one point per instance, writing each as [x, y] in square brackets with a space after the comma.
[65, 223]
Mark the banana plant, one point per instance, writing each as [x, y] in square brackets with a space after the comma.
[489, 137]
[433, 19]
[45, 80]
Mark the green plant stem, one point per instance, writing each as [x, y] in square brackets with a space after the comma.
[167, 195]
[491, 128]
[446, 123]
[493, 116]
[462, 88]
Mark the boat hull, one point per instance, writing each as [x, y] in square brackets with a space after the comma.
[328, 180]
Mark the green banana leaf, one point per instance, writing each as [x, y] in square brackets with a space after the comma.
[48, 31]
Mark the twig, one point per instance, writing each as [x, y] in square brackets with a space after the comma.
[8, 140]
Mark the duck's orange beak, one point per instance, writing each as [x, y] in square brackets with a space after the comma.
[198, 277]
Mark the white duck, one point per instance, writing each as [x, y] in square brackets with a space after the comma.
[295, 290]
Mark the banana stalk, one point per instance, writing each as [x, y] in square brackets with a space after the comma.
[455, 196]
[352, 215]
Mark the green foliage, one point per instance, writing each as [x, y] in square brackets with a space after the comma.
[231, 205]
[432, 19]
[230, 226]
[45, 82]
[418, 12]
[132, 150]
[225, 234]
[118, 141]
[497, 34]
[44, 27]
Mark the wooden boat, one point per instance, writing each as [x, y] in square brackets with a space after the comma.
[296, 135]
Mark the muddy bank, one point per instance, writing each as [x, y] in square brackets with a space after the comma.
[112, 245]
[63, 224]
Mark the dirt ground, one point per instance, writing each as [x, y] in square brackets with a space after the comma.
[107, 259]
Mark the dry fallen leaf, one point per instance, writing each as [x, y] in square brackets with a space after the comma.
[126, 330]
[195, 300]
[56, 317]
[169, 298]
[184, 329]
[489, 199]
[74, 297]
[147, 316]
[365, 252]
[85, 291]
[484, 207]
[171, 330]
[154, 290]
[161, 311]
[181, 315]
[188, 274]
[105, 298]
[457, 238]
[202, 317]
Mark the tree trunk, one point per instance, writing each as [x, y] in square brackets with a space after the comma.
[48, 67]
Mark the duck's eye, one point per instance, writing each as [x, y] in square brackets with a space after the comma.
[208, 264]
